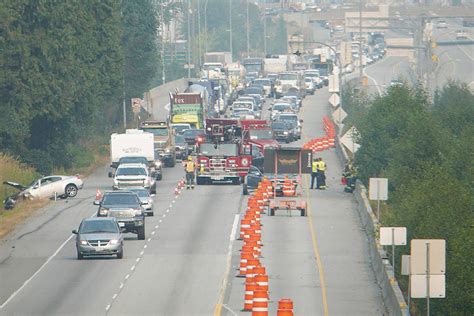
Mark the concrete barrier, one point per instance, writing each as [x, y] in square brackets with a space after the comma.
[392, 295]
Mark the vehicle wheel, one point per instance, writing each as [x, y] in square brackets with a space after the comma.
[303, 212]
[272, 212]
[236, 181]
[245, 189]
[141, 233]
[71, 190]
[80, 256]
[173, 162]
[199, 181]
[287, 140]
[120, 254]
[150, 213]
[159, 177]
[153, 189]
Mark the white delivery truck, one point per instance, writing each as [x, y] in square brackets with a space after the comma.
[276, 64]
[134, 146]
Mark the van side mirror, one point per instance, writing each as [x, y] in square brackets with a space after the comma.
[110, 174]
[96, 202]
[75, 232]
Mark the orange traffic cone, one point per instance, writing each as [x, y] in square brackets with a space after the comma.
[98, 195]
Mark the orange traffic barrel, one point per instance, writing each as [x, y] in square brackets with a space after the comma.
[285, 307]
[261, 279]
[250, 287]
[260, 302]
[244, 258]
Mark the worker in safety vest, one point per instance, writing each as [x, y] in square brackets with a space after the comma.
[190, 169]
[321, 174]
[314, 172]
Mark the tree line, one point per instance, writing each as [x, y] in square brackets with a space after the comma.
[66, 66]
[426, 150]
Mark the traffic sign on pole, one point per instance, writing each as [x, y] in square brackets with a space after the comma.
[334, 100]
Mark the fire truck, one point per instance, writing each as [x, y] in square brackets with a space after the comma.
[220, 157]
[256, 136]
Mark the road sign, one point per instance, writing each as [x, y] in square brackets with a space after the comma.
[136, 104]
[333, 85]
[420, 259]
[190, 66]
[393, 236]
[349, 139]
[419, 285]
[378, 189]
[339, 115]
[405, 265]
[334, 100]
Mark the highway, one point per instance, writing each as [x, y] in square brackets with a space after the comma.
[186, 265]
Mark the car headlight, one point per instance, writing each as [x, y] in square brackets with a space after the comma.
[158, 163]
[138, 212]
[116, 182]
[167, 150]
[285, 133]
[103, 212]
[114, 241]
[83, 242]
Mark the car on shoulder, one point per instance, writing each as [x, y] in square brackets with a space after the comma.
[126, 208]
[49, 187]
[98, 236]
[283, 131]
[146, 200]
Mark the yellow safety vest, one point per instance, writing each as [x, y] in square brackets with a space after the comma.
[314, 166]
[322, 166]
[190, 166]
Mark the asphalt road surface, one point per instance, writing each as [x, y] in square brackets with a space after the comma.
[186, 265]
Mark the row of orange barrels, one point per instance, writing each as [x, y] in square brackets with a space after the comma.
[326, 142]
[256, 297]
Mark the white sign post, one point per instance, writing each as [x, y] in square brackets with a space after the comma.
[378, 190]
[406, 271]
[427, 269]
[393, 236]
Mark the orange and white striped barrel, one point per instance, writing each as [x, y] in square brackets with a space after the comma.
[260, 302]
[261, 280]
[250, 287]
[285, 307]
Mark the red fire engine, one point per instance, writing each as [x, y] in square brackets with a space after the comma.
[257, 135]
[220, 156]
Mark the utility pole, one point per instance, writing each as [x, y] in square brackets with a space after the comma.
[264, 34]
[248, 30]
[189, 39]
[199, 34]
[361, 70]
[205, 25]
[230, 28]
[163, 70]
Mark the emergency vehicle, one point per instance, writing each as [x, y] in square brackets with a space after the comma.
[220, 157]
[256, 136]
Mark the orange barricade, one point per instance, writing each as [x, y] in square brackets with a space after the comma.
[285, 307]
[260, 302]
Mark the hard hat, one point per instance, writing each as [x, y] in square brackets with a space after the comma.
[190, 158]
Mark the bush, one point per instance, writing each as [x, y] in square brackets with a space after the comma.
[12, 170]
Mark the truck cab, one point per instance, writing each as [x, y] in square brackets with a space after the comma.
[163, 140]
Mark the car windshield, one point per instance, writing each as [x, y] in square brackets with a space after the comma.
[180, 128]
[157, 131]
[253, 90]
[219, 150]
[98, 226]
[179, 139]
[242, 105]
[289, 118]
[142, 160]
[308, 80]
[261, 134]
[191, 133]
[281, 107]
[263, 82]
[288, 76]
[142, 193]
[131, 171]
[279, 125]
[120, 199]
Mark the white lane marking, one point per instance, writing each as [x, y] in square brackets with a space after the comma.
[107, 308]
[160, 221]
[174, 201]
[149, 239]
[127, 276]
[157, 226]
[145, 246]
[167, 211]
[164, 215]
[229, 259]
[228, 308]
[153, 232]
[132, 268]
[37, 272]
[115, 296]
[121, 285]
[142, 252]
[137, 260]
